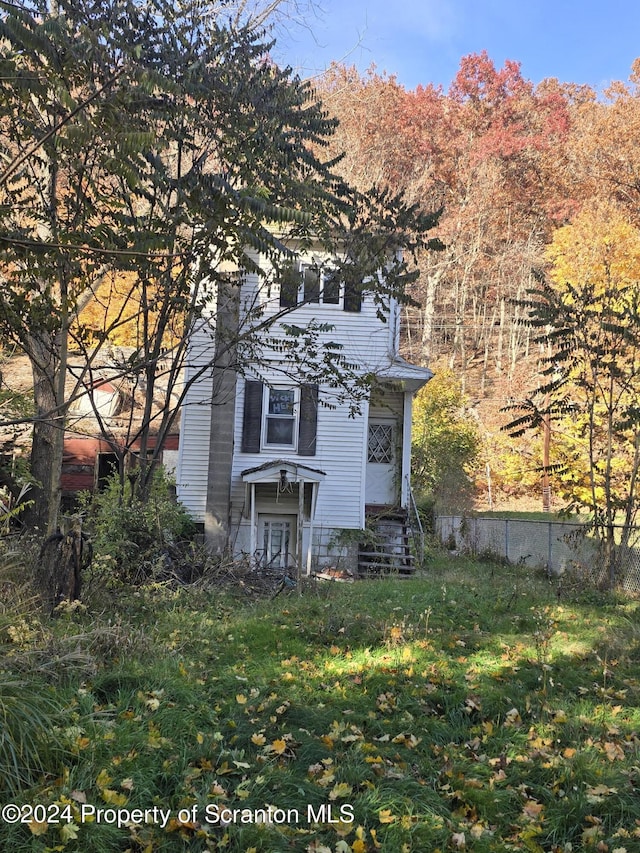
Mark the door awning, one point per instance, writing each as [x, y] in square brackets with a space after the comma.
[271, 472]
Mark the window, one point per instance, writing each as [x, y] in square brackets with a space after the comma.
[380, 448]
[316, 284]
[107, 464]
[280, 417]
[321, 284]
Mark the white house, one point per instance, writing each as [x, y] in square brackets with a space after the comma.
[268, 462]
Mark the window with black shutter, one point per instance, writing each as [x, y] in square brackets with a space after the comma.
[279, 418]
[311, 276]
[352, 289]
[352, 295]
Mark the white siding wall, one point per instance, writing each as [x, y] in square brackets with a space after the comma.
[195, 428]
[366, 340]
[340, 453]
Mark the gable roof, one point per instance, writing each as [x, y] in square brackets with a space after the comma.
[270, 472]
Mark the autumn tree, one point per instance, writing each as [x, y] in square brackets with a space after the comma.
[586, 319]
[485, 154]
[445, 442]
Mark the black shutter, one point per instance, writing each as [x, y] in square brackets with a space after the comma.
[308, 420]
[352, 296]
[290, 279]
[252, 416]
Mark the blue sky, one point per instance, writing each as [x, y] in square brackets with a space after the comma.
[422, 41]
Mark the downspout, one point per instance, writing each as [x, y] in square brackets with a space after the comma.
[254, 532]
[405, 478]
[299, 530]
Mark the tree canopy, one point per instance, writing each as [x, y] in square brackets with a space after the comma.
[148, 151]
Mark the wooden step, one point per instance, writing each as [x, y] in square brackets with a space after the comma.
[392, 555]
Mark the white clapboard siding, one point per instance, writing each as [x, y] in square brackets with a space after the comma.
[366, 340]
[340, 454]
[195, 428]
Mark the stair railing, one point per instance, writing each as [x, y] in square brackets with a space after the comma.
[416, 529]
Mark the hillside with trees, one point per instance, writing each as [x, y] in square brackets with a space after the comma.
[533, 184]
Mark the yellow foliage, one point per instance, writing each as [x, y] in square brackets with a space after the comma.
[123, 308]
[600, 247]
[279, 746]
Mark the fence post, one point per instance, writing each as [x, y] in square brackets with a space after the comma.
[506, 539]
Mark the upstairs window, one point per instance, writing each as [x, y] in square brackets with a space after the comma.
[280, 417]
[284, 418]
[319, 285]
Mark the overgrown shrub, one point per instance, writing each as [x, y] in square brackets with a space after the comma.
[140, 537]
[445, 443]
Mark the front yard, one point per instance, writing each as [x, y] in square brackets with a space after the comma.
[467, 709]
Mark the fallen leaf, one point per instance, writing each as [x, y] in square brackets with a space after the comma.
[113, 798]
[386, 816]
[614, 751]
[69, 831]
[37, 827]
[341, 789]
[512, 717]
[533, 810]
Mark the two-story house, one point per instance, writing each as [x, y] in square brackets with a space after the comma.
[269, 462]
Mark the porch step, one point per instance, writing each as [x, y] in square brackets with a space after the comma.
[379, 563]
[392, 553]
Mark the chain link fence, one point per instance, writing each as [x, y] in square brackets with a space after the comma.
[555, 546]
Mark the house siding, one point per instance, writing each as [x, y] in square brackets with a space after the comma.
[195, 429]
[340, 455]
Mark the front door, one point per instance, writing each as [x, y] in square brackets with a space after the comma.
[277, 540]
[382, 469]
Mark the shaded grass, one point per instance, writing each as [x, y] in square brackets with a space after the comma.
[467, 708]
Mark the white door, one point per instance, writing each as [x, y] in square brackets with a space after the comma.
[382, 473]
[277, 540]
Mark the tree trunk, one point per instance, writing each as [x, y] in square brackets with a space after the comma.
[428, 315]
[48, 436]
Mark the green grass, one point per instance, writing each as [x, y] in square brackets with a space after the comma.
[467, 709]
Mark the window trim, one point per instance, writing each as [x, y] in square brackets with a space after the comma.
[266, 415]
